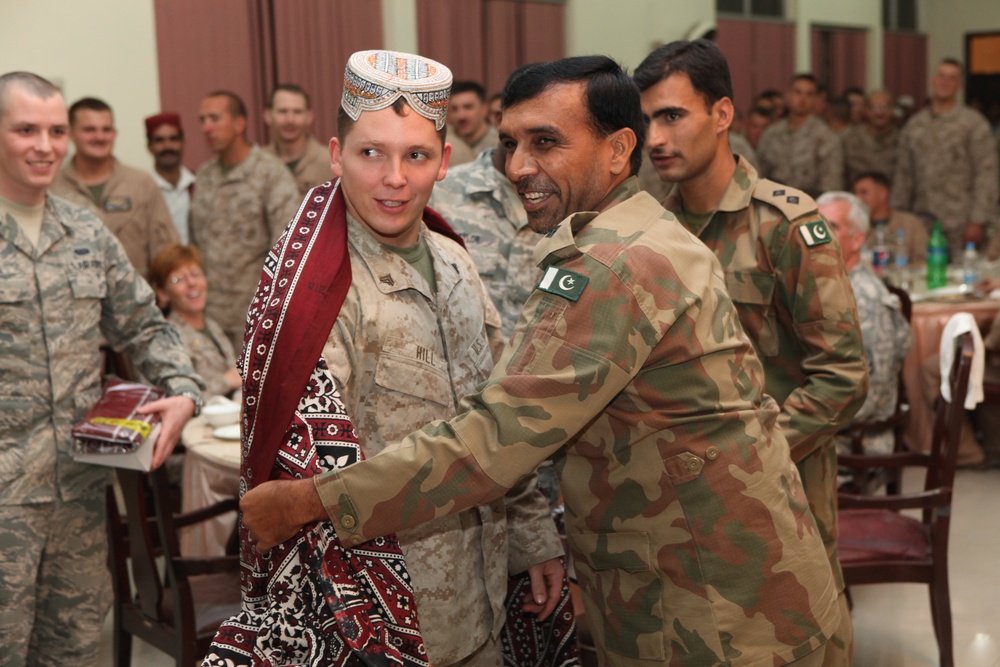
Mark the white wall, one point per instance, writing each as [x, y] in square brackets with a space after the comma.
[627, 30]
[946, 24]
[99, 48]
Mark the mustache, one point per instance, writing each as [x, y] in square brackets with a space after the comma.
[659, 152]
[172, 153]
[535, 184]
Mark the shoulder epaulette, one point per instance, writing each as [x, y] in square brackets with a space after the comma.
[791, 202]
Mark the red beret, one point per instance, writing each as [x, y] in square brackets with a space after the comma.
[165, 118]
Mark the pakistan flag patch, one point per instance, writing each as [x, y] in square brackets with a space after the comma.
[815, 233]
[561, 282]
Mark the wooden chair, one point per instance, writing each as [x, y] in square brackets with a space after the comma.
[877, 544]
[179, 610]
[866, 479]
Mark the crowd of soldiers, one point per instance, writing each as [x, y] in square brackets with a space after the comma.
[676, 365]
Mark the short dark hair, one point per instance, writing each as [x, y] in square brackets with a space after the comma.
[32, 83]
[89, 104]
[875, 176]
[612, 96]
[805, 76]
[288, 88]
[469, 87]
[702, 61]
[345, 122]
[955, 62]
[236, 106]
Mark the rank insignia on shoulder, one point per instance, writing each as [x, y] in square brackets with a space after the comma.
[815, 233]
[564, 283]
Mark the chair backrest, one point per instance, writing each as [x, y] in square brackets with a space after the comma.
[948, 418]
[905, 302]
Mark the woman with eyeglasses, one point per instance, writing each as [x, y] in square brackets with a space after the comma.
[181, 291]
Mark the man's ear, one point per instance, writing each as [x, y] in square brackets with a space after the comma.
[724, 113]
[623, 143]
[336, 157]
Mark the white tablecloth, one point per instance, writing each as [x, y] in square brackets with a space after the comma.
[211, 474]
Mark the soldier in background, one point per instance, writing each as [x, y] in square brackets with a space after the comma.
[289, 116]
[873, 189]
[124, 198]
[783, 270]
[872, 145]
[947, 164]
[67, 285]
[628, 365]
[243, 199]
[471, 133]
[800, 150]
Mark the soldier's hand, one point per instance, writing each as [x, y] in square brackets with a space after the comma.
[174, 411]
[274, 511]
[974, 232]
[546, 587]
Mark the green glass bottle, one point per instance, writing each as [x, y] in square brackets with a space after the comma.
[937, 258]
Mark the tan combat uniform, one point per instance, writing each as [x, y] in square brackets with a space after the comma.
[404, 356]
[132, 207]
[312, 168]
[809, 158]
[462, 152]
[864, 151]
[685, 516]
[947, 171]
[235, 219]
[211, 353]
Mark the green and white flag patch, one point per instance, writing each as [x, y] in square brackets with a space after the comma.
[815, 233]
[564, 283]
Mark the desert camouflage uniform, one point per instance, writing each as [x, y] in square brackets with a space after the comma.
[405, 356]
[235, 219]
[462, 153]
[947, 171]
[866, 152]
[57, 301]
[132, 207]
[809, 158]
[211, 353]
[312, 169]
[887, 338]
[685, 515]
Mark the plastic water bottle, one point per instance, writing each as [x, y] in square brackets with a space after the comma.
[880, 253]
[901, 260]
[937, 258]
[970, 265]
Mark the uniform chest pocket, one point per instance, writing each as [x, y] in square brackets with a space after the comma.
[15, 293]
[485, 251]
[412, 369]
[753, 294]
[88, 285]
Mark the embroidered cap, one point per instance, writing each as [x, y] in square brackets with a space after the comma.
[373, 80]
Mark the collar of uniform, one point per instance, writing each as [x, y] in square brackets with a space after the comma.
[241, 170]
[483, 179]
[69, 170]
[390, 272]
[54, 227]
[736, 197]
[560, 243]
[185, 181]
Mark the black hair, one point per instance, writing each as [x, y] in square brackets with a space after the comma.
[288, 88]
[90, 104]
[701, 60]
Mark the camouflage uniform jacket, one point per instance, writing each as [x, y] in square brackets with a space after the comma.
[312, 169]
[887, 339]
[947, 169]
[795, 302]
[405, 356]
[809, 158]
[483, 207]
[57, 304]
[235, 219]
[686, 519]
[462, 153]
[864, 151]
[132, 207]
[211, 353]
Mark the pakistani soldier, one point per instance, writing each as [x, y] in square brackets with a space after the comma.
[66, 284]
[783, 270]
[685, 516]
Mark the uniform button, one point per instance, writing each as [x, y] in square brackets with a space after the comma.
[712, 453]
[348, 521]
[355, 540]
[693, 465]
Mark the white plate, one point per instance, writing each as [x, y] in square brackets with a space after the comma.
[228, 432]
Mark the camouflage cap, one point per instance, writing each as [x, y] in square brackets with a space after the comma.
[373, 80]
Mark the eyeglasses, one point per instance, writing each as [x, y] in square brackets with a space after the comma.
[191, 275]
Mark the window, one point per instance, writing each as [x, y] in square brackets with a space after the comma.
[771, 9]
[899, 15]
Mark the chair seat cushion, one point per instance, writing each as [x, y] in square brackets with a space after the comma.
[869, 535]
